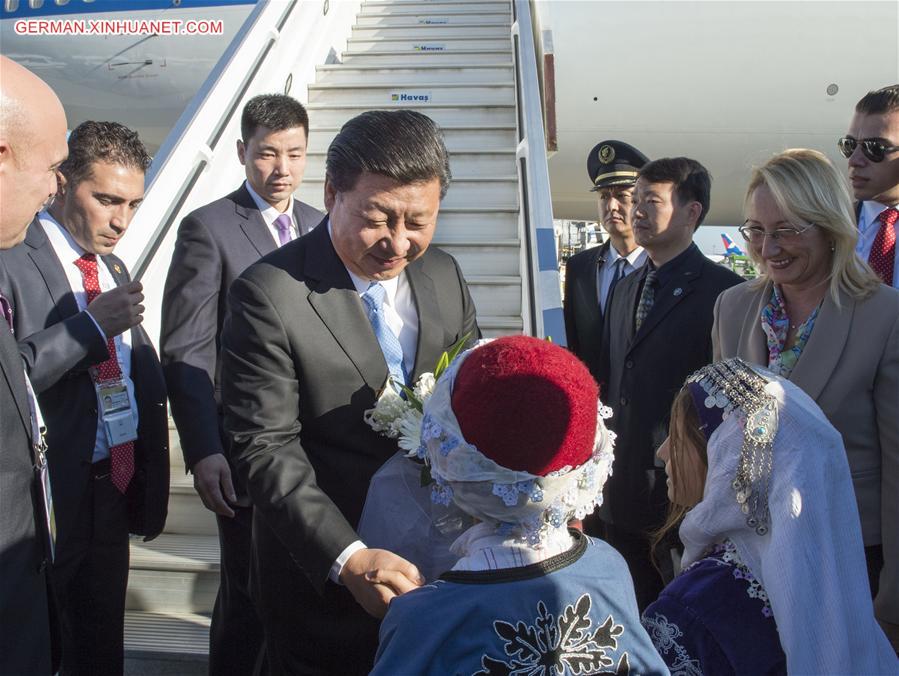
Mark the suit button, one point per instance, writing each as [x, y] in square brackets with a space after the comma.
[623, 401]
[629, 364]
[43, 566]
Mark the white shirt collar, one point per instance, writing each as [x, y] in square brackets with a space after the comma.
[62, 241]
[870, 211]
[612, 255]
[269, 213]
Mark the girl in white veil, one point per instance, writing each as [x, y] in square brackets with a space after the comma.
[774, 571]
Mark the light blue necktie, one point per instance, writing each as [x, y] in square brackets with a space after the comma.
[373, 298]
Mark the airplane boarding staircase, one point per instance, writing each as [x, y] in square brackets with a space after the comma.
[460, 62]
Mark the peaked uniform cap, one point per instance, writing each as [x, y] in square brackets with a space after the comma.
[613, 163]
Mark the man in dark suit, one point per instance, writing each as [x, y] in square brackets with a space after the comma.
[872, 148]
[312, 333]
[592, 274]
[657, 332]
[99, 385]
[215, 244]
[32, 145]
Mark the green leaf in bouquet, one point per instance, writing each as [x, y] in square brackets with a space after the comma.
[426, 478]
[447, 357]
[411, 398]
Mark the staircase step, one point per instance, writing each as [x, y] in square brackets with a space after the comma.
[495, 326]
[466, 191]
[460, 113]
[432, 9]
[424, 44]
[421, 31]
[433, 54]
[176, 636]
[430, 18]
[485, 258]
[177, 573]
[422, 93]
[491, 163]
[187, 515]
[495, 294]
[476, 225]
[190, 553]
[458, 138]
[433, 73]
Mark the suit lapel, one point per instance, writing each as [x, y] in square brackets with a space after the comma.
[753, 342]
[252, 223]
[9, 360]
[670, 296]
[591, 282]
[337, 303]
[50, 268]
[430, 327]
[822, 352]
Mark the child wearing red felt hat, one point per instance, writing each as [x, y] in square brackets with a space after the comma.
[513, 435]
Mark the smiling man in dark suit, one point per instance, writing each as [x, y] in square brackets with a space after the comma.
[658, 330]
[312, 333]
[99, 385]
[215, 244]
[32, 146]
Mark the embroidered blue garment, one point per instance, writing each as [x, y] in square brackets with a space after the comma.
[575, 612]
[714, 618]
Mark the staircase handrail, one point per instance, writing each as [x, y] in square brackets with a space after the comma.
[276, 50]
[542, 292]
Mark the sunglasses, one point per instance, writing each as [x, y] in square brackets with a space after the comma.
[873, 149]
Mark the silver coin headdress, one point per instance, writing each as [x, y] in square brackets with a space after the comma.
[733, 385]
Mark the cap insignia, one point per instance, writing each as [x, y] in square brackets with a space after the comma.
[606, 154]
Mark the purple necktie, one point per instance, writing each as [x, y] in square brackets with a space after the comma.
[6, 311]
[282, 223]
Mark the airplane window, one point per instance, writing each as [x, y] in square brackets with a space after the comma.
[35, 4]
[12, 5]
[60, 3]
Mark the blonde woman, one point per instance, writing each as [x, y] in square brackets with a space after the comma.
[819, 317]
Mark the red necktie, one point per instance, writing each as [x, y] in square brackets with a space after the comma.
[121, 457]
[883, 252]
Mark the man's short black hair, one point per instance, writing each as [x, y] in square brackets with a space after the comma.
[402, 144]
[272, 111]
[879, 101]
[108, 142]
[692, 181]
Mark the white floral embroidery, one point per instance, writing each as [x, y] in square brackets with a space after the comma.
[664, 635]
[742, 572]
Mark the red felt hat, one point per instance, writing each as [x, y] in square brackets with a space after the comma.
[527, 404]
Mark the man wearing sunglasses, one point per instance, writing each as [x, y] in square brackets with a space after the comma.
[872, 148]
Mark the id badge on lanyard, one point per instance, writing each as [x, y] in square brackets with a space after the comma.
[39, 443]
[115, 408]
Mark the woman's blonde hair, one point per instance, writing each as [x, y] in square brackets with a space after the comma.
[809, 189]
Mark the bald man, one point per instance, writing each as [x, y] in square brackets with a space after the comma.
[32, 146]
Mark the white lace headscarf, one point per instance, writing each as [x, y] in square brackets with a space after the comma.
[526, 506]
[811, 562]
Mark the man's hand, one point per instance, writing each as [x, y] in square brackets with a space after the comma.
[212, 480]
[119, 309]
[375, 576]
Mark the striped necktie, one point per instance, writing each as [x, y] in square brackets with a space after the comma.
[647, 297]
